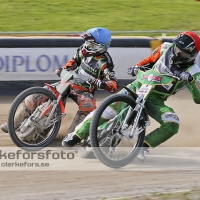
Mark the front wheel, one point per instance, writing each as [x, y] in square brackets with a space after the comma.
[34, 119]
[110, 146]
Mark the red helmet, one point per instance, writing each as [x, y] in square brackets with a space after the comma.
[186, 47]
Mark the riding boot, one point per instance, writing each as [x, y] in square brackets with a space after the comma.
[4, 127]
[19, 118]
[70, 140]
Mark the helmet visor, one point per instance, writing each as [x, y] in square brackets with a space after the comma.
[181, 54]
[92, 46]
[180, 57]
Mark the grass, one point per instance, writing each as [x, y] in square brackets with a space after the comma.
[116, 15]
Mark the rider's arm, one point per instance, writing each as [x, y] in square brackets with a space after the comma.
[75, 61]
[77, 57]
[108, 79]
[151, 60]
[194, 86]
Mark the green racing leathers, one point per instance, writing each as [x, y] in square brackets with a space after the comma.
[156, 108]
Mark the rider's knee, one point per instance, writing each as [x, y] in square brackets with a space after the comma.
[172, 128]
[32, 101]
[87, 106]
[170, 123]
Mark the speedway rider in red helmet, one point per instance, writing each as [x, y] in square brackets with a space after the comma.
[177, 57]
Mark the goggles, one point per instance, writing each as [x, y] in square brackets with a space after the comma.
[93, 46]
[182, 54]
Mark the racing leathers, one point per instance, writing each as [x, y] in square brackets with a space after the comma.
[100, 72]
[156, 108]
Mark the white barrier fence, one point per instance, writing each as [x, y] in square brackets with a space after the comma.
[41, 63]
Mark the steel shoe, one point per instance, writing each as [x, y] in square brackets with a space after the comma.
[142, 154]
[4, 128]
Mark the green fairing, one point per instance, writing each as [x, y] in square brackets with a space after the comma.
[160, 81]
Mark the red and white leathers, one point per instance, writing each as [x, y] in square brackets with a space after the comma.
[99, 68]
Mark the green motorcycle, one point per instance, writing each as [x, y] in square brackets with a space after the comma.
[118, 126]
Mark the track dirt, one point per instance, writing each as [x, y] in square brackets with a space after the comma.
[172, 166]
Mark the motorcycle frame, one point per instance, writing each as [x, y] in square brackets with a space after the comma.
[59, 98]
[140, 100]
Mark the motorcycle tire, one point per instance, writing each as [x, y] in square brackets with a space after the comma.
[93, 132]
[14, 106]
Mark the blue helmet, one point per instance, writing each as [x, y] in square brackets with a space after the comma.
[101, 36]
[97, 40]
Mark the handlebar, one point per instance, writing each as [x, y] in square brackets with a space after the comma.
[190, 78]
[173, 75]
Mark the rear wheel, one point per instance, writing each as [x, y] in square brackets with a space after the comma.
[27, 129]
[110, 146]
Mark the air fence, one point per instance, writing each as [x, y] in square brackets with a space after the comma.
[31, 61]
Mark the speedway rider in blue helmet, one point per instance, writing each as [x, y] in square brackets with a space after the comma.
[93, 61]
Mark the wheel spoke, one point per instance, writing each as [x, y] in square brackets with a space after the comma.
[25, 114]
[120, 150]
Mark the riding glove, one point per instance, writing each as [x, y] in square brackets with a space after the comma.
[185, 76]
[101, 85]
[133, 70]
[71, 65]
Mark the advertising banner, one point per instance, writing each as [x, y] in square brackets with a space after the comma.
[41, 63]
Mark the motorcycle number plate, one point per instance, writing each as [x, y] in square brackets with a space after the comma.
[145, 89]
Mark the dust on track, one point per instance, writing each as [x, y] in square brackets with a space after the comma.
[89, 179]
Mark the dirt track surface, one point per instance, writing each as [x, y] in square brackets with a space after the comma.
[172, 166]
